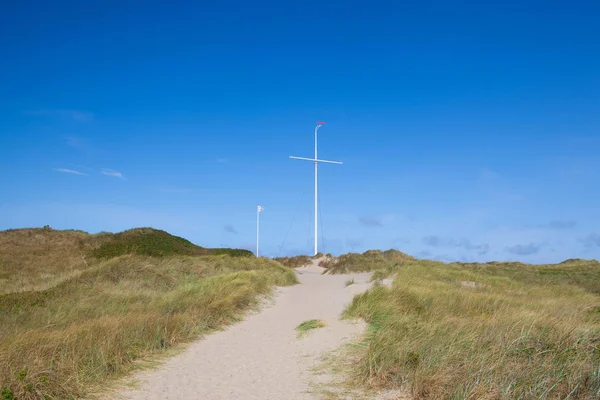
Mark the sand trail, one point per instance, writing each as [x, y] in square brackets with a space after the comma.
[261, 358]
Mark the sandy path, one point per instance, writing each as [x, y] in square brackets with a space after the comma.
[261, 357]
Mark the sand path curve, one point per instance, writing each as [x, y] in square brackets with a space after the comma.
[261, 358]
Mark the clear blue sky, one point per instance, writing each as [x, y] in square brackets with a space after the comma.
[468, 130]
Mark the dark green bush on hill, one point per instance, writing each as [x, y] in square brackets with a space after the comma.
[148, 242]
[156, 243]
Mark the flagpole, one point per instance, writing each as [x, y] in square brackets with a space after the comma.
[316, 191]
[257, 227]
[316, 161]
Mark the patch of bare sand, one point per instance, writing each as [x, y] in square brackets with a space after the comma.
[261, 357]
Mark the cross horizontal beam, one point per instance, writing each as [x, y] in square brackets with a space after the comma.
[315, 160]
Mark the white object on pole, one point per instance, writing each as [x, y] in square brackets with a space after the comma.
[316, 161]
[258, 210]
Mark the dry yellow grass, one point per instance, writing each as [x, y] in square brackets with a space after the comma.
[370, 260]
[484, 331]
[40, 258]
[36, 259]
[64, 341]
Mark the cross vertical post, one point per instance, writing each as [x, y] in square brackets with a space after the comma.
[258, 210]
[316, 162]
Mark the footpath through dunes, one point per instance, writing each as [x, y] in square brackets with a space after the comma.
[262, 357]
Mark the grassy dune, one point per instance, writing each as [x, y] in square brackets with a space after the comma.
[64, 341]
[36, 259]
[370, 260]
[39, 258]
[483, 331]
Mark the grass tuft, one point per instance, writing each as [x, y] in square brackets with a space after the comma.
[350, 282]
[370, 260]
[294, 262]
[309, 325]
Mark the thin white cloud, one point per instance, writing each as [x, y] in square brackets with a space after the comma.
[69, 171]
[78, 143]
[112, 172]
[76, 115]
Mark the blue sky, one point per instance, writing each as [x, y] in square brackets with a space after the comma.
[468, 130]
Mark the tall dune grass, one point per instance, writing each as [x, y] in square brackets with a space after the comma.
[370, 260]
[65, 341]
[40, 258]
[484, 331]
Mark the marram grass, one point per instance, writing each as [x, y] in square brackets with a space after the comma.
[478, 331]
[63, 342]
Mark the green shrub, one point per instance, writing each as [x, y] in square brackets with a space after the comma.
[147, 242]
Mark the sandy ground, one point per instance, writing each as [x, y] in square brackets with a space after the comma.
[261, 357]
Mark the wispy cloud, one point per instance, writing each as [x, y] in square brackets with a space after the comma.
[524, 249]
[75, 115]
[230, 229]
[437, 241]
[591, 240]
[69, 171]
[560, 225]
[112, 172]
[370, 221]
[434, 241]
[353, 243]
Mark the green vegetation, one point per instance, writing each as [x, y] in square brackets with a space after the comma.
[65, 340]
[350, 282]
[309, 325]
[39, 258]
[156, 243]
[483, 331]
[370, 260]
[294, 262]
[146, 242]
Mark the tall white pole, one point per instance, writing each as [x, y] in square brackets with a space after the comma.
[316, 161]
[316, 192]
[257, 228]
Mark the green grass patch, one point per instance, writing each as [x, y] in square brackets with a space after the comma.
[350, 282]
[309, 325]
